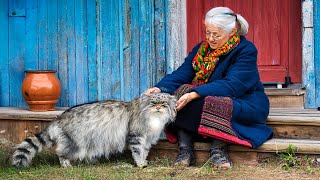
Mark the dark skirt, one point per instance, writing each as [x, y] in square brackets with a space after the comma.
[209, 116]
[188, 118]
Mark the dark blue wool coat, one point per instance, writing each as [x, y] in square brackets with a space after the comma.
[235, 76]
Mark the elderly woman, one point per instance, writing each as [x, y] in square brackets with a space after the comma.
[220, 93]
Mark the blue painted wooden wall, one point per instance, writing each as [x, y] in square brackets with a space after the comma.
[316, 23]
[101, 49]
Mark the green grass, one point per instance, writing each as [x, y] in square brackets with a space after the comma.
[46, 166]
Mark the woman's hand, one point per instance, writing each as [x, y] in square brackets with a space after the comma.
[185, 99]
[152, 90]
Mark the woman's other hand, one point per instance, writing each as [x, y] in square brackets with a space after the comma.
[185, 99]
[152, 90]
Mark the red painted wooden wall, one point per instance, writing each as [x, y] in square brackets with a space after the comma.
[274, 27]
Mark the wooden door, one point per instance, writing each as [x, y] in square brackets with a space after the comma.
[274, 27]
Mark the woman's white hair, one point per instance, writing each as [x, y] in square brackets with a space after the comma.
[225, 18]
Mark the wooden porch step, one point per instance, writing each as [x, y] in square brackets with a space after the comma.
[18, 113]
[295, 123]
[286, 97]
[276, 145]
[240, 154]
[18, 123]
[299, 127]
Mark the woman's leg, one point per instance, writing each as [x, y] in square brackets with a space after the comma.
[218, 154]
[185, 142]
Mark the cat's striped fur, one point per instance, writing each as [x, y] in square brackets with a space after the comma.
[90, 131]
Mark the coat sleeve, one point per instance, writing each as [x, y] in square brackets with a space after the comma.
[183, 75]
[240, 77]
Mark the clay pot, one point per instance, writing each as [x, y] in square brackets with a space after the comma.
[41, 89]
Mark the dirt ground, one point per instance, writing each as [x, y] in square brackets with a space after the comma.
[46, 166]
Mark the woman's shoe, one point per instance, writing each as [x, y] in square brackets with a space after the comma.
[185, 157]
[219, 158]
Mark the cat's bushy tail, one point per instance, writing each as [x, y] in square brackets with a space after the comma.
[26, 150]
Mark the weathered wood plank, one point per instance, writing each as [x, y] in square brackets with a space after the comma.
[71, 53]
[4, 55]
[34, 127]
[16, 54]
[42, 26]
[248, 158]
[81, 51]
[146, 10]
[273, 145]
[284, 92]
[288, 114]
[121, 11]
[316, 41]
[5, 131]
[53, 51]
[32, 41]
[307, 14]
[314, 121]
[24, 114]
[110, 49]
[17, 130]
[297, 130]
[294, 110]
[127, 52]
[17, 8]
[276, 116]
[135, 46]
[286, 101]
[238, 154]
[160, 41]
[308, 61]
[63, 52]
[93, 51]
[305, 146]
[176, 32]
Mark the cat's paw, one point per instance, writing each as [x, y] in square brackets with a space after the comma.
[65, 163]
[142, 165]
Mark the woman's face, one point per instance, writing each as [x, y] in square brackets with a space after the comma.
[216, 37]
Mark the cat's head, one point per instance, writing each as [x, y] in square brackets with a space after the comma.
[160, 103]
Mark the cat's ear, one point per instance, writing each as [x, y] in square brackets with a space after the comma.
[144, 97]
[174, 98]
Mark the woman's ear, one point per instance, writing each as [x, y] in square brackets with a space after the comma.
[233, 32]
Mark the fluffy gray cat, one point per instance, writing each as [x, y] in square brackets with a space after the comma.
[89, 131]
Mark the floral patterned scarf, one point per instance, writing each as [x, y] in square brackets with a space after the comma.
[206, 59]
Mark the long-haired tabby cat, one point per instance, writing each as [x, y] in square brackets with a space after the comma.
[90, 131]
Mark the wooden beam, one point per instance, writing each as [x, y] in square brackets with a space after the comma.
[25, 114]
[305, 146]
